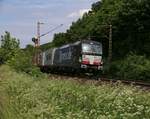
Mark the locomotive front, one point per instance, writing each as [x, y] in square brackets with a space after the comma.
[91, 56]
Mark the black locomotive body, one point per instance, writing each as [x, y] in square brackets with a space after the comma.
[81, 56]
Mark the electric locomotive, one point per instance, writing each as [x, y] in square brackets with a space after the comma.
[81, 56]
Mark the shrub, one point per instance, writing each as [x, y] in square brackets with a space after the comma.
[22, 62]
[9, 47]
[132, 67]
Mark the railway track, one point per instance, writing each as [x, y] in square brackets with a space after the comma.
[139, 84]
[98, 81]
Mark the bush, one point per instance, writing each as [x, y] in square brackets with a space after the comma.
[22, 62]
[132, 67]
[9, 47]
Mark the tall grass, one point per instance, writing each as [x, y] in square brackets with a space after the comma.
[28, 98]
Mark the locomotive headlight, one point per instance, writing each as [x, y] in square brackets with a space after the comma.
[101, 62]
[100, 67]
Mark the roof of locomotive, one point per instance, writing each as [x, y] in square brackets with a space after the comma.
[79, 42]
[70, 44]
[91, 42]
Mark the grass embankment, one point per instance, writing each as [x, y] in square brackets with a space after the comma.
[24, 97]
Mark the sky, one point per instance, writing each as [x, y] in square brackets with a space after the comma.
[20, 17]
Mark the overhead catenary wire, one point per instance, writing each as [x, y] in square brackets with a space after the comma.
[51, 30]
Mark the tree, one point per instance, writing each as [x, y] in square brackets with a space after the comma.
[131, 29]
[9, 47]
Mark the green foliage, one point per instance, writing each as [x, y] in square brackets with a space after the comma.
[22, 62]
[60, 39]
[29, 48]
[96, 6]
[132, 67]
[46, 46]
[131, 29]
[9, 47]
[63, 99]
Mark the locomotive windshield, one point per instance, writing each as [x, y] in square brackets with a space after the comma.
[92, 49]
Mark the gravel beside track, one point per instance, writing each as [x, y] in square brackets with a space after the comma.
[85, 79]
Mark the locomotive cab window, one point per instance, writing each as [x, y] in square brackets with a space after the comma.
[92, 48]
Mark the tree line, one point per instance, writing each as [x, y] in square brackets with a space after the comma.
[130, 21]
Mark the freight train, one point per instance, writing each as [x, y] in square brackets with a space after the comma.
[81, 56]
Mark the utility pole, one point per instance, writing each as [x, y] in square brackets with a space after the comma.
[37, 44]
[1, 41]
[110, 44]
[36, 40]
